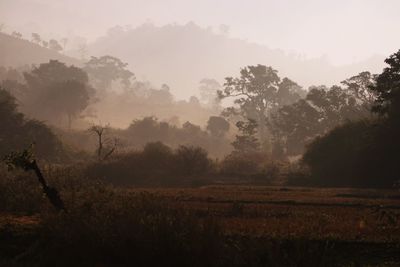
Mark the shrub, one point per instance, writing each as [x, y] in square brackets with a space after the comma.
[156, 165]
[192, 161]
[298, 175]
[258, 167]
[236, 164]
[16, 132]
[360, 154]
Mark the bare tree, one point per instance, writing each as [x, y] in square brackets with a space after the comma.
[106, 146]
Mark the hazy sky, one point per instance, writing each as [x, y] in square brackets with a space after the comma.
[343, 30]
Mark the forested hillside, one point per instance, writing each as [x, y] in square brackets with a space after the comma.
[182, 55]
[17, 52]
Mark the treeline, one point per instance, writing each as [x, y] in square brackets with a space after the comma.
[214, 137]
[160, 165]
[103, 90]
[341, 130]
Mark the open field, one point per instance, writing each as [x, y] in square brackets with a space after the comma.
[359, 226]
[284, 212]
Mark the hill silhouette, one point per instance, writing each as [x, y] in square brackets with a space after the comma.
[181, 55]
[16, 52]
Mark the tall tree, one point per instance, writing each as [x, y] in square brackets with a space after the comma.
[208, 92]
[323, 109]
[107, 69]
[56, 90]
[387, 88]
[257, 92]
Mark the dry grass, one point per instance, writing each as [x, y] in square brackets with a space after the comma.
[251, 226]
[288, 212]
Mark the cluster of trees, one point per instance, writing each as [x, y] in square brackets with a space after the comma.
[104, 89]
[52, 44]
[156, 164]
[18, 132]
[149, 129]
[274, 116]
[52, 92]
[278, 117]
[364, 152]
[159, 164]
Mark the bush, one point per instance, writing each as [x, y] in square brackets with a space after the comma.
[257, 167]
[156, 165]
[21, 192]
[359, 154]
[17, 132]
[192, 161]
[236, 164]
[298, 175]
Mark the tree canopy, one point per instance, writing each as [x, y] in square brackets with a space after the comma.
[107, 69]
[256, 93]
[55, 90]
[17, 132]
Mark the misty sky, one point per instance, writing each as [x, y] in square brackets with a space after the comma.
[343, 30]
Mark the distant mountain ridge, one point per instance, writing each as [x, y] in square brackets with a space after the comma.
[16, 52]
[181, 55]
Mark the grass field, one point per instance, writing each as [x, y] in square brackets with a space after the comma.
[361, 226]
[284, 212]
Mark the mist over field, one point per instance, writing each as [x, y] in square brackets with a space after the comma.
[199, 133]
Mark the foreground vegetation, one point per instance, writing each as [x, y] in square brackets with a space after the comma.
[203, 226]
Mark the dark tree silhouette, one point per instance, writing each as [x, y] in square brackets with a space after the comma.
[364, 152]
[297, 124]
[387, 88]
[16, 131]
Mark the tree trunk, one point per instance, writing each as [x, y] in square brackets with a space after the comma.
[50, 192]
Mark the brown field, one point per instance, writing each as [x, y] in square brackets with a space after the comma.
[362, 224]
[286, 212]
